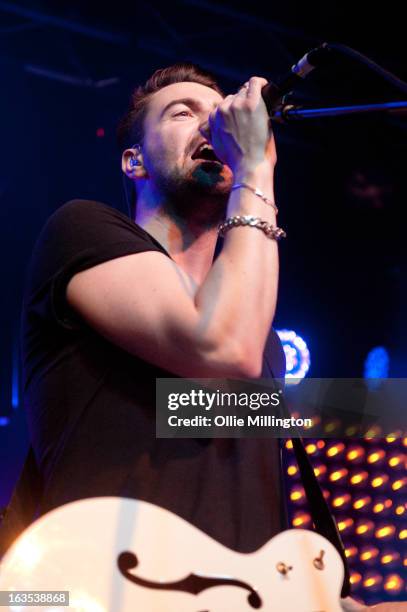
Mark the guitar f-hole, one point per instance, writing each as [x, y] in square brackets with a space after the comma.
[193, 583]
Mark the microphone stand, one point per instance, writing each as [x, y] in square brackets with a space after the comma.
[289, 112]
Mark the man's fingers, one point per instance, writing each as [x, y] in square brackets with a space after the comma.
[251, 88]
[205, 130]
[243, 90]
[256, 84]
[225, 104]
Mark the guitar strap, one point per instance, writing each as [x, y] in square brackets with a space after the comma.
[323, 520]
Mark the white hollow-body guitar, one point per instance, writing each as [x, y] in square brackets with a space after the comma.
[123, 555]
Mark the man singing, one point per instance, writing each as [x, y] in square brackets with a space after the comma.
[114, 302]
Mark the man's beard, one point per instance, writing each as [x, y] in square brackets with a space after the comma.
[201, 195]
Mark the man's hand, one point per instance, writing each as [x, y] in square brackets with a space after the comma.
[140, 303]
[240, 132]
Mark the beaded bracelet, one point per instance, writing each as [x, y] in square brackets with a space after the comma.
[272, 232]
[256, 192]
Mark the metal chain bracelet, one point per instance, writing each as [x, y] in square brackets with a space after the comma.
[257, 193]
[272, 232]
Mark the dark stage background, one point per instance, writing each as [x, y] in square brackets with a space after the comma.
[67, 69]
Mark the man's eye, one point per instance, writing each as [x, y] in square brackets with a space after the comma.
[184, 113]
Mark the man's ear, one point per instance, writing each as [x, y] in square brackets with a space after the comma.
[132, 163]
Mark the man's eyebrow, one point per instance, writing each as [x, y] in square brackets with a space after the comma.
[191, 102]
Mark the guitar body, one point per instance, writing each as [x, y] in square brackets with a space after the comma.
[123, 555]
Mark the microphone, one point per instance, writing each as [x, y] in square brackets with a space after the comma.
[272, 93]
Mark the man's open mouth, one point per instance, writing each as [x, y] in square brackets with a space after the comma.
[206, 153]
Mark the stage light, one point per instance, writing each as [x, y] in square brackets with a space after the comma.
[364, 528]
[372, 581]
[298, 359]
[314, 423]
[376, 456]
[352, 431]
[289, 445]
[398, 484]
[384, 532]
[292, 470]
[351, 552]
[381, 506]
[4, 421]
[341, 501]
[379, 481]
[359, 478]
[390, 557]
[297, 495]
[375, 431]
[355, 454]
[332, 426]
[369, 554]
[397, 461]
[335, 450]
[320, 471]
[338, 475]
[403, 534]
[393, 584]
[377, 365]
[363, 482]
[345, 524]
[355, 578]
[301, 519]
[362, 503]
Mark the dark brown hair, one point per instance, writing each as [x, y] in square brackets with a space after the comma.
[131, 127]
